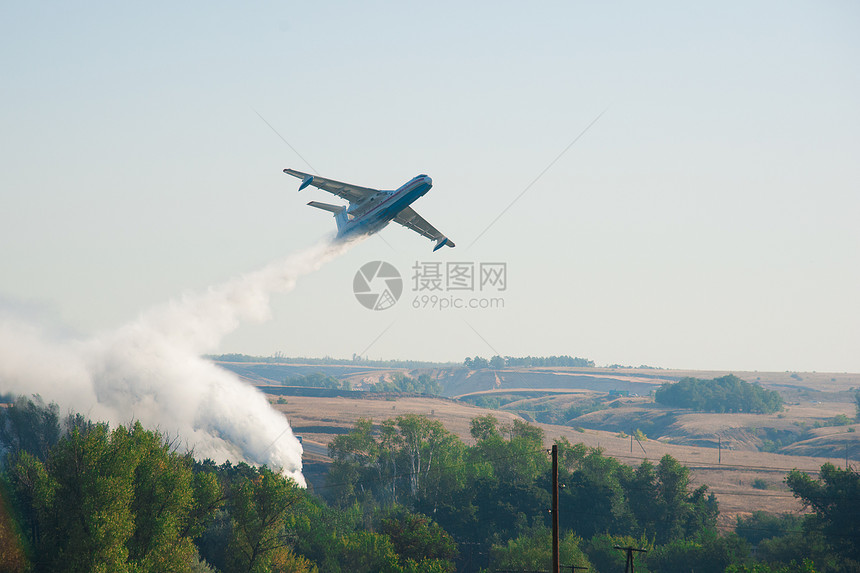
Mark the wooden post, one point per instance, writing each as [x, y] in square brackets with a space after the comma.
[555, 552]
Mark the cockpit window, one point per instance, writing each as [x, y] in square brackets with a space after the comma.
[422, 175]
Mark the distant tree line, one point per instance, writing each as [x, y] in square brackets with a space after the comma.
[725, 394]
[497, 362]
[318, 380]
[545, 412]
[327, 360]
[400, 383]
[474, 363]
[857, 403]
[396, 383]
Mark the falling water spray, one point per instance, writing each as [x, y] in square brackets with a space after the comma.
[151, 369]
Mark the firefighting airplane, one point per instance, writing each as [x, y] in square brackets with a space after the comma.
[370, 210]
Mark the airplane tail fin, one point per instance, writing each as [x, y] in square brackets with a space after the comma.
[339, 211]
[340, 219]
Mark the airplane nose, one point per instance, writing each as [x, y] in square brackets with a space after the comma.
[428, 180]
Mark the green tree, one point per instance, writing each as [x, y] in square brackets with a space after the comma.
[163, 503]
[835, 501]
[404, 457]
[356, 458]
[259, 508]
[417, 538]
[601, 551]
[805, 566]
[83, 502]
[681, 514]
[479, 362]
[30, 425]
[725, 394]
[595, 490]
[420, 439]
[761, 525]
[317, 380]
[799, 546]
[570, 456]
[13, 558]
[709, 553]
[643, 497]
[857, 403]
[484, 427]
[367, 552]
[118, 500]
[532, 551]
[520, 459]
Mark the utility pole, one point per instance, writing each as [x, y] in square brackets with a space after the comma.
[555, 553]
[628, 565]
[638, 442]
[720, 446]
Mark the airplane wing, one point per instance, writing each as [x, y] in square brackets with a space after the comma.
[412, 220]
[352, 193]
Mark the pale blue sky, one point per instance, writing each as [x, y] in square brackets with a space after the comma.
[709, 219]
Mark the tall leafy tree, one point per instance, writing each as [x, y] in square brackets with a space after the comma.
[260, 507]
[417, 538]
[357, 461]
[120, 500]
[367, 552]
[421, 440]
[857, 403]
[30, 425]
[532, 551]
[643, 494]
[707, 553]
[835, 500]
[605, 558]
[399, 460]
[84, 502]
[594, 497]
[681, 514]
[13, 559]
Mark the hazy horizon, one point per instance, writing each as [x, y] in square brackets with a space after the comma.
[707, 220]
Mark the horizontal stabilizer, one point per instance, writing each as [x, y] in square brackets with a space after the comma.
[326, 207]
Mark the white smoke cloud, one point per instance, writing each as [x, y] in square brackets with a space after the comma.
[151, 370]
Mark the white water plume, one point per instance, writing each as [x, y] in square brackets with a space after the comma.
[151, 369]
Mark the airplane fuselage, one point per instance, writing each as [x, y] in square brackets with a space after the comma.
[370, 209]
[375, 212]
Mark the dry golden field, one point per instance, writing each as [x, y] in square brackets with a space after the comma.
[691, 437]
